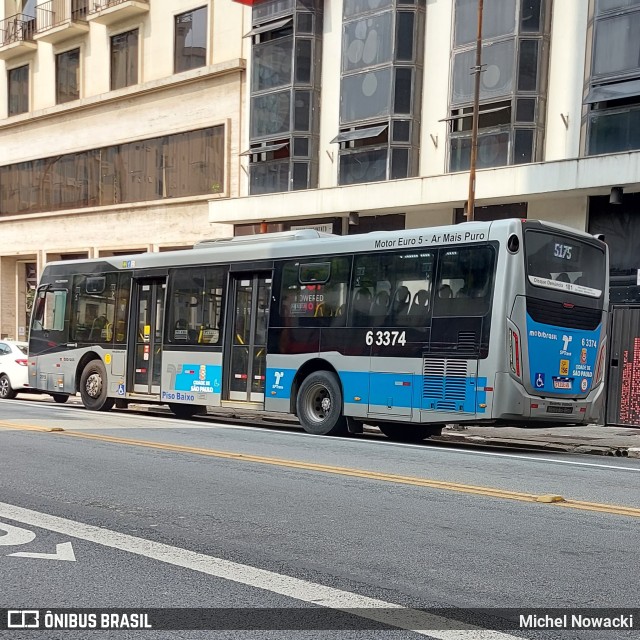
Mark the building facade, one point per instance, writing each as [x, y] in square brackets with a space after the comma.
[135, 125]
[119, 121]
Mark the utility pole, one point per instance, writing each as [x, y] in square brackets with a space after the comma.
[477, 70]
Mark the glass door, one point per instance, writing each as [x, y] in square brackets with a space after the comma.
[246, 347]
[147, 352]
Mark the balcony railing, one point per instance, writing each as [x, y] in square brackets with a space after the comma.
[55, 13]
[109, 12]
[100, 5]
[18, 28]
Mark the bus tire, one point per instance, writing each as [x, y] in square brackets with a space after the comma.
[93, 387]
[60, 398]
[408, 433]
[319, 405]
[186, 411]
[7, 392]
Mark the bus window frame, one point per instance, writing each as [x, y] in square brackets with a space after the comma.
[40, 309]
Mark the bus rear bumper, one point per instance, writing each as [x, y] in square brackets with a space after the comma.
[512, 403]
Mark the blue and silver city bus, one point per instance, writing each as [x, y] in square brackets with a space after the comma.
[483, 322]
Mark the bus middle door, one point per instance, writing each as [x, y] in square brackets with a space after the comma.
[245, 351]
[145, 359]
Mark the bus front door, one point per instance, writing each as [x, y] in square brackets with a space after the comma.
[246, 342]
[145, 364]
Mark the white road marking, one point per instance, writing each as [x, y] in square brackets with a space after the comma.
[377, 443]
[186, 424]
[15, 535]
[64, 551]
[386, 612]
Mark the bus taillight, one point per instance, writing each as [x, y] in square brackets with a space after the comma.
[514, 352]
[600, 365]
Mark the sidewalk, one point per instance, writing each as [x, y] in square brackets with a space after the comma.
[590, 439]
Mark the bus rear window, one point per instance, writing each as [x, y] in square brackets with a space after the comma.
[555, 261]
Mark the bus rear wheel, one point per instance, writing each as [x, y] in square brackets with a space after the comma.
[185, 411]
[93, 387]
[319, 405]
[408, 433]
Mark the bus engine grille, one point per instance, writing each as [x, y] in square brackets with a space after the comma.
[444, 384]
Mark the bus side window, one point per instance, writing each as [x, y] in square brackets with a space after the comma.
[195, 308]
[93, 308]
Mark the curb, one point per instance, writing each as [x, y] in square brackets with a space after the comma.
[633, 452]
[507, 442]
[516, 443]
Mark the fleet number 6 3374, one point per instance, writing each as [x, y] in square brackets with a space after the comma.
[386, 338]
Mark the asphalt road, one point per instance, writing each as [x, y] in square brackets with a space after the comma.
[139, 511]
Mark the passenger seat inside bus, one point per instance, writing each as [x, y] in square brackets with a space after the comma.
[99, 324]
[361, 305]
[379, 306]
[419, 307]
[400, 304]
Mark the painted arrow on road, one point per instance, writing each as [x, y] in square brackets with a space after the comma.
[15, 535]
[64, 551]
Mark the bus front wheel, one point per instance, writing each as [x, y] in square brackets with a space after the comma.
[319, 405]
[408, 433]
[93, 387]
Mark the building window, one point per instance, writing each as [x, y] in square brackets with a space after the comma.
[613, 97]
[190, 42]
[18, 90]
[512, 92]
[381, 90]
[285, 93]
[124, 59]
[174, 166]
[68, 76]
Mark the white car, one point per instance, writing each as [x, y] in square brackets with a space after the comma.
[14, 375]
[14, 372]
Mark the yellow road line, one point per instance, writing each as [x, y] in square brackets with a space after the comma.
[556, 501]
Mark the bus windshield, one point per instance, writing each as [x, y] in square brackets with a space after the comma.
[564, 263]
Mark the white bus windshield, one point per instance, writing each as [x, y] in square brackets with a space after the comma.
[564, 263]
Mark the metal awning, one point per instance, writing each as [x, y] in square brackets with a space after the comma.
[360, 134]
[616, 91]
[265, 149]
[269, 27]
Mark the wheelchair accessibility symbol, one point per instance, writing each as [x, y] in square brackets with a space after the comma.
[539, 380]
